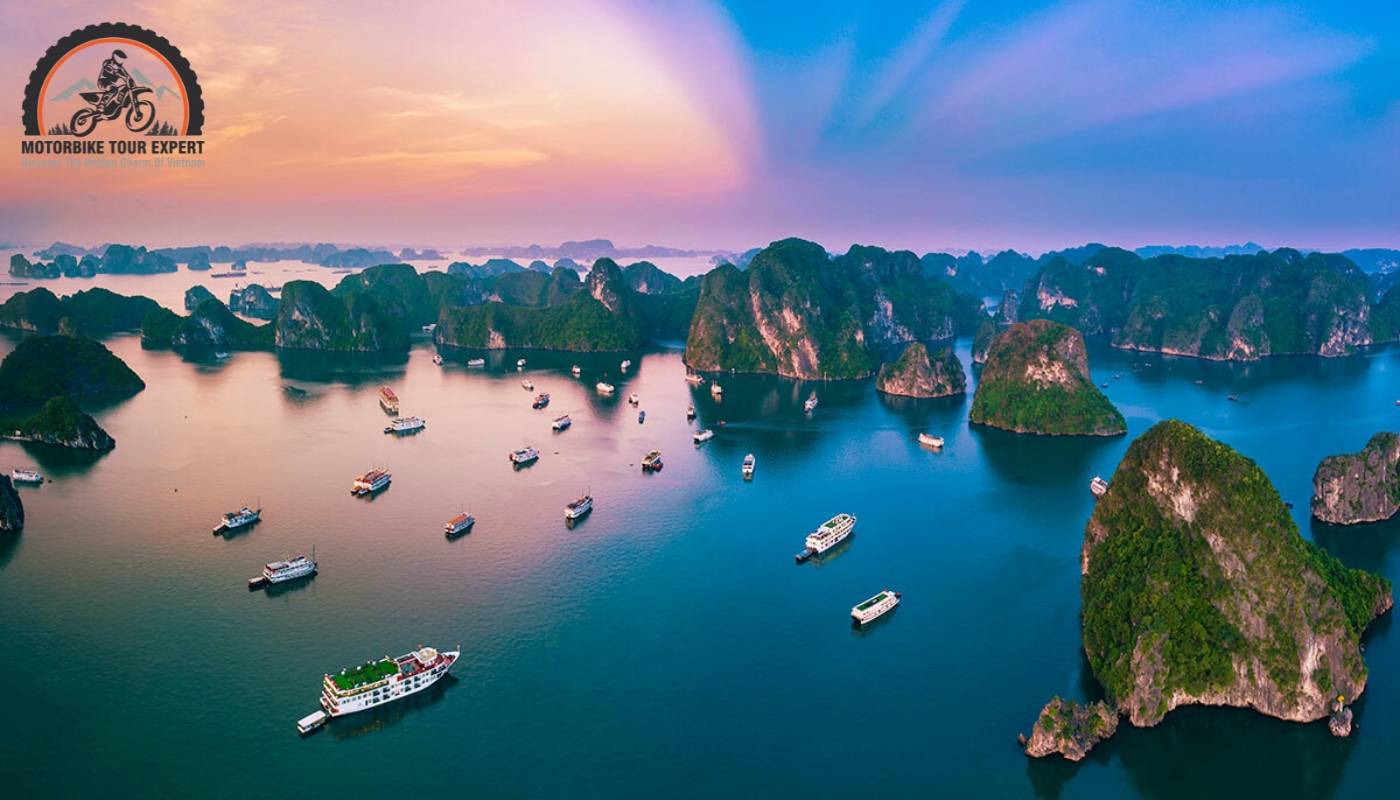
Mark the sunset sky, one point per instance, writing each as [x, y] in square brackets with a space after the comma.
[946, 125]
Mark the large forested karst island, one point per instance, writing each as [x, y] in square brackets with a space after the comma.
[1359, 487]
[1240, 307]
[1036, 380]
[41, 367]
[39, 380]
[800, 313]
[789, 309]
[1198, 589]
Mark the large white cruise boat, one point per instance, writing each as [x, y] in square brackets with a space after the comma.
[26, 476]
[831, 533]
[874, 608]
[375, 683]
[561, 422]
[291, 569]
[237, 519]
[578, 508]
[525, 456]
[371, 481]
[405, 425]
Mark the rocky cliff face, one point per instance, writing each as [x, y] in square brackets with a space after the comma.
[982, 340]
[94, 312]
[1198, 589]
[1036, 380]
[61, 423]
[11, 509]
[1071, 729]
[916, 374]
[796, 312]
[1359, 487]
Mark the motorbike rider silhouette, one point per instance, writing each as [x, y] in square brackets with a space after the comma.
[119, 91]
[112, 79]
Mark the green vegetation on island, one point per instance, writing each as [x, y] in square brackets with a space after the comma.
[602, 315]
[1239, 307]
[93, 312]
[11, 507]
[211, 325]
[60, 422]
[1036, 380]
[799, 313]
[1198, 588]
[41, 367]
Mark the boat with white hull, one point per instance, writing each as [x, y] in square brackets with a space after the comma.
[578, 508]
[26, 476]
[874, 608]
[749, 463]
[376, 683]
[371, 482]
[831, 533]
[405, 425]
[242, 518]
[459, 524]
[1098, 486]
[526, 456]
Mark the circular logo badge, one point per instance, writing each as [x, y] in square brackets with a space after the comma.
[115, 79]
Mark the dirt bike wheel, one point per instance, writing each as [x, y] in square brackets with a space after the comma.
[84, 122]
[140, 116]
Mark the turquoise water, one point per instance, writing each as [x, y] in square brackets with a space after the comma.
[665, 646]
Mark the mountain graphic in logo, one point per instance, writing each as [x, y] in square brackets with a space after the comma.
[82, 85]
[161, 90]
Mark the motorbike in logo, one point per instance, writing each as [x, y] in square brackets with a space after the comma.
[129, 98]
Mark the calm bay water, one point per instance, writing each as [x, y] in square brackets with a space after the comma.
[667, 645]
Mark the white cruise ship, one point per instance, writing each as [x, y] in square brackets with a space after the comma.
[525, 456]
[716, 389]
[578, 508]
[437, 359]
[562, 422]
[930, 440]
[633, 399]
[576, 370]
[520, 363]
[371, 482]
[26, 476]
[241, 518]
[700, 437]
[476, 362]
[405, 425]
[289, 570]
[697, 379]
[831, 533]
[461, 523]
[605, 388]
[810, 404]
[749, 464]
[528, 385]
[375, 683]
[874, 608]
[626, 364]
[1098, 486]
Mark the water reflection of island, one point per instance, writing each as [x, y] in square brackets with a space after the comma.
[382, 717]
